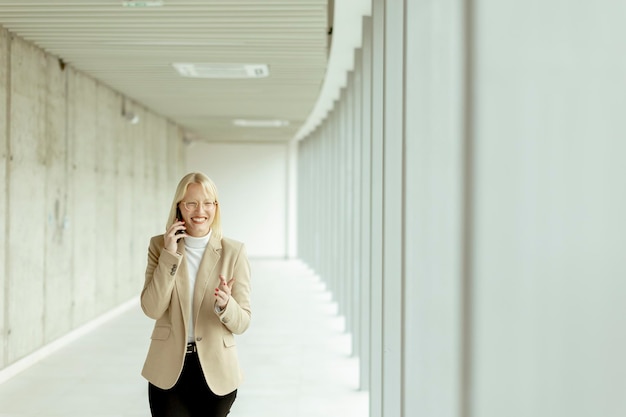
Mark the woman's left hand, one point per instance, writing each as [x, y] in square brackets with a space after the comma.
[222, 293]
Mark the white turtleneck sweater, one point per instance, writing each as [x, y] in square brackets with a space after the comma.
[194, 250]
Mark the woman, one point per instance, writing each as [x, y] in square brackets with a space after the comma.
[197, 289]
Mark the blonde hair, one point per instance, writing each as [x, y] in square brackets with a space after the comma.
[209, 188]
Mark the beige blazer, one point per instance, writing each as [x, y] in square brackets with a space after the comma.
[165, 298]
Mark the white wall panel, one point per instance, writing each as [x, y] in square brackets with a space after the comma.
[364, 108]
[550, 201]
[377, 213]
[292, 200]
[358, 141]
[433, 207]
[252, 183]
[393, 325]
[341, 204]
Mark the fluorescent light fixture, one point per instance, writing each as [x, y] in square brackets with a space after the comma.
[260, 123]
[217, 70]
[142, 3]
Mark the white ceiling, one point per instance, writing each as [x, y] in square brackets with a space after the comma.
[131, 49]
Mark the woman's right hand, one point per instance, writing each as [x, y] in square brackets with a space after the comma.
[171, 238]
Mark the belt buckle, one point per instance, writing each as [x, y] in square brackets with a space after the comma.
[191, 348]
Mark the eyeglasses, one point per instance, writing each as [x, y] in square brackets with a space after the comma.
[193, 205]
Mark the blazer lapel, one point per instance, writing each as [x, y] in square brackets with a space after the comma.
[182, 284]
[209, 260]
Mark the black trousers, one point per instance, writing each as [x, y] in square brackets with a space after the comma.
[191, 396]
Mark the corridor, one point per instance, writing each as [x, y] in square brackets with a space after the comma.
[446, 179]
[295, 357]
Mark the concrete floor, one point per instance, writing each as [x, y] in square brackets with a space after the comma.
[295, 357]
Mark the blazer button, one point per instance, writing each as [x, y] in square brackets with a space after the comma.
[198, 339]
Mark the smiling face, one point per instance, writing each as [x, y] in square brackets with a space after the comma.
[198, 219]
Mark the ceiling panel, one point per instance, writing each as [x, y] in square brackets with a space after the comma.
[132, 49]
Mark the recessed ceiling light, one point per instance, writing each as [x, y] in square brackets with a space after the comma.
[260, 123]
[142, 3]
[214, 70]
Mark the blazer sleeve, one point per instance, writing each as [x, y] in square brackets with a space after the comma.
[160, 279]
[237, 314]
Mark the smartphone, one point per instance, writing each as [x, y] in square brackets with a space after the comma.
[179, 217]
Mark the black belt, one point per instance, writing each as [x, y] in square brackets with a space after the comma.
[191, 348]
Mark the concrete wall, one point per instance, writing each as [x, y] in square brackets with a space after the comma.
[82, 190]
[4, 154]
[482, 245]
